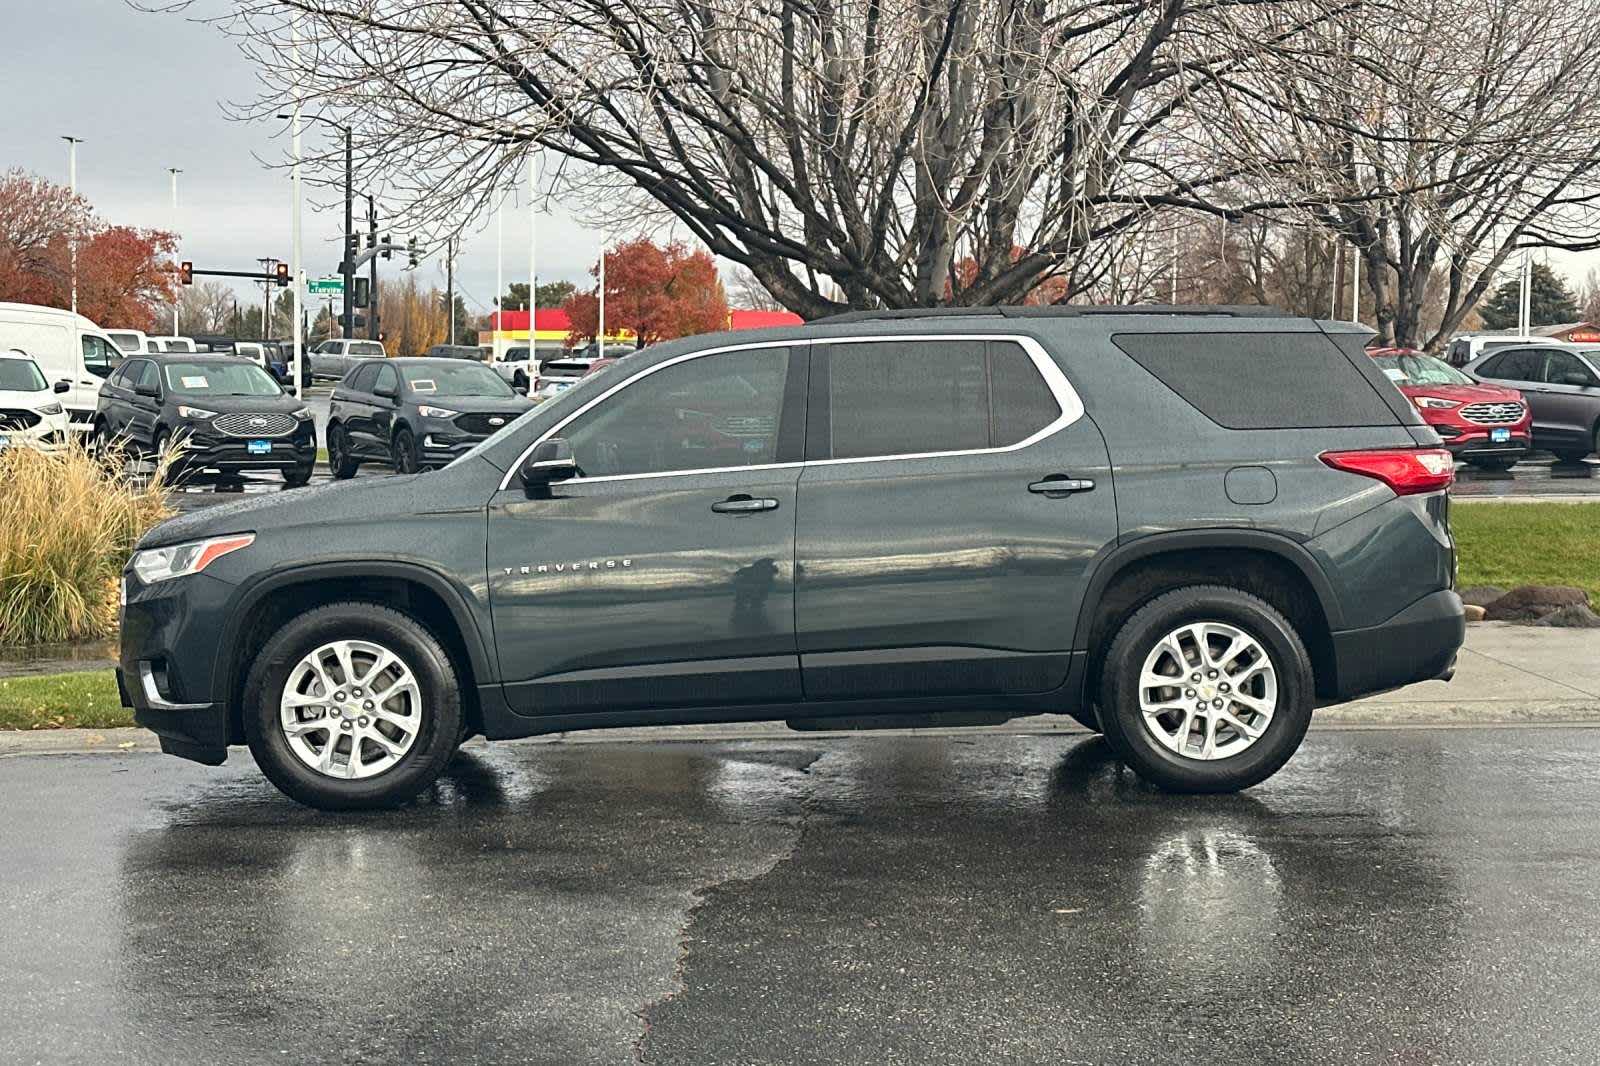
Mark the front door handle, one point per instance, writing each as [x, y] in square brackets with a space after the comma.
[1058, 485]
[743, 504]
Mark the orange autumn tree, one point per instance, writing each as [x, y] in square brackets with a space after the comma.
[657, 293]
[124, 273]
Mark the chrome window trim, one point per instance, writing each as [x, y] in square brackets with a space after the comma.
[1066, 397]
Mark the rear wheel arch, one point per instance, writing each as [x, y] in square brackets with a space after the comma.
[419, 593]
[1266, 565]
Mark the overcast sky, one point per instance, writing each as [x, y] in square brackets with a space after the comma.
[143, 91]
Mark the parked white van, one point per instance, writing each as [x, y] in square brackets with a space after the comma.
[67, 347]
[183, 345]
[131, 341]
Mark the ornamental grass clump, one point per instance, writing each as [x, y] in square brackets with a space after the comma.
[68, 521]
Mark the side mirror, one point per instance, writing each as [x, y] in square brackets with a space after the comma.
[1581, 380]
[146, 389]
[386, 391]
[63, 386]
[551, 460]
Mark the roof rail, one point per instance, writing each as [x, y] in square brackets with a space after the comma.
[1064, 311]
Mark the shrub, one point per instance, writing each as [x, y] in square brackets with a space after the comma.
[68, 521]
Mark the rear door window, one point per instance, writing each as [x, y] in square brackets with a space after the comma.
[1523, 364]
[916, 397]
[1261, 380]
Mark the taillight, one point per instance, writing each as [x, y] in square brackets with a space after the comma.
[1408, 471]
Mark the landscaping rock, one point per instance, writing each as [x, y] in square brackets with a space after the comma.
[1572, 616]
[1474, 612]
[1529, 603]
[1481, 595]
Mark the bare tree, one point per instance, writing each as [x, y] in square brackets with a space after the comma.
[1465, 138]
[845, 152]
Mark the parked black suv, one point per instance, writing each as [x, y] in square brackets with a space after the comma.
[415, 414]
[226, 413]
[1185, 529]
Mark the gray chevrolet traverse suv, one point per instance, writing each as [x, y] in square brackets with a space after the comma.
[1185, 527]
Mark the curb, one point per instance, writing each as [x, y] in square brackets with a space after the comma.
[1501, 714]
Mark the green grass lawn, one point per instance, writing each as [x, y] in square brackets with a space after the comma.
[87, 699]
[1509, 544]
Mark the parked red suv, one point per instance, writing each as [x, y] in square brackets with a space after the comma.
[1486, 425]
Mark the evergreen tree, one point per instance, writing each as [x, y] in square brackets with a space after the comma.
[1552, 302]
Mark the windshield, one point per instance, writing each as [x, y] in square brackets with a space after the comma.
[1420, 369]
[20, 375]
[467, 379]
[220, 379]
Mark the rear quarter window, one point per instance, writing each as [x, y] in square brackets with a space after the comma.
[1261, 380]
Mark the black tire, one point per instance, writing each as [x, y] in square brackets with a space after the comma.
[1124, 724]
[1496, 463]
[403, 452]
[299, 476]
[340, 461]
[440, 707]
[520, 381]
[1569, 456]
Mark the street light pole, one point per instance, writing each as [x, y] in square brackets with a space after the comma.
[295, 271]
[533, 247]
[72, 241]
[174, 171]
[499, 279]
[600, 336]
[349, 238]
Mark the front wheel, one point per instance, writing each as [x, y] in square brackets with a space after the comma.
[340, 460]
[298, 476]
[1206, 689]
[404, 449]
[352, 706]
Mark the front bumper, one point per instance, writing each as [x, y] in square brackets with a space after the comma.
[1477, 442]
[205, 450]
[49, 434]
[167, 661]
[1417, 644]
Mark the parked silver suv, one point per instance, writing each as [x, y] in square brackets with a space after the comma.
[1561, 384]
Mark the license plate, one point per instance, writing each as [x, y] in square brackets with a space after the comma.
[259, 447]
[1499, 436]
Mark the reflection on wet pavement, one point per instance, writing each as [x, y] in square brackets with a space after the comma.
[1540, 475]
[1391, 896]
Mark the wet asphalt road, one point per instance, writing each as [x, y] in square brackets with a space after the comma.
[1393, 896]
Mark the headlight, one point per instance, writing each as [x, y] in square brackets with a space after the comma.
[195, 412]
[303, 414]
[436, 412]
[176, 560]
[50, 409]
[1434, 403]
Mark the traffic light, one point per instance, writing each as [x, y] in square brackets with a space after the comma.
[359, 297]
[283, 275]
[186, 272]
[411, 251]
[388, 240]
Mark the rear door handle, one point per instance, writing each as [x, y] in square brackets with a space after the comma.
[1058, 485]
[743, 504]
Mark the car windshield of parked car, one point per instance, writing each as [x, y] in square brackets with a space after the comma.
[20, 375]
[220, 379]
[1420, 370]
[467, 379]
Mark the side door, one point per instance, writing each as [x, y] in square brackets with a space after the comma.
[112, 405]
[1570, 397]
[953, 498]
[98, 358]
[385, 406]
[661, 576]
[142, 409]
[352, 405]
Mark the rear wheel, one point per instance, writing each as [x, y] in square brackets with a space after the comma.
[297, 476]
[352, 706]
[404, 452]
[1206, 689]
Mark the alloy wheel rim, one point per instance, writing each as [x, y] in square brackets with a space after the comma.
[351, 709]
[1207, 691]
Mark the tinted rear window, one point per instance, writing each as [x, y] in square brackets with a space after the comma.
[1261, 380]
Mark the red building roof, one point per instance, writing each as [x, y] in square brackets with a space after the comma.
[762, 319]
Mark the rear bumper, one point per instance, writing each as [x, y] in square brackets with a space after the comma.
[1417, 644]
